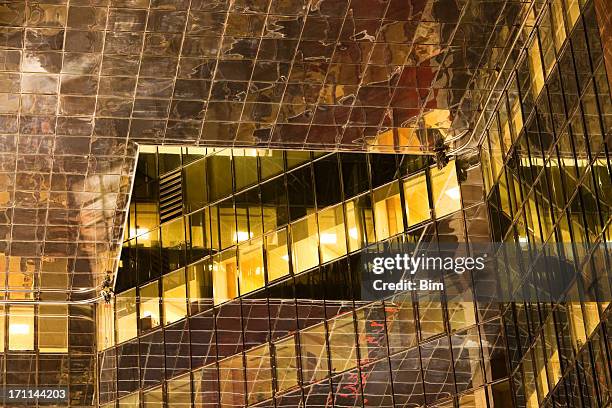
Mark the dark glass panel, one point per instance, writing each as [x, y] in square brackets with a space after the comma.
[300, 191]
[152, 359]
[274, 201]
[176, 338]
[218, 175]
[327, 181]
[203, 343]
[384, 169]
[128, 373]
[355, 175]
[229, 329]
[194, 181]
[407, 379]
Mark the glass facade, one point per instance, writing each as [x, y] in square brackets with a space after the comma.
[227, 165]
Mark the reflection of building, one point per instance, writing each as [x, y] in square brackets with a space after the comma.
[266, 310]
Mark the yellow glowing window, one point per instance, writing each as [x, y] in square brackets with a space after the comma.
[387, 211]
[251, 269]
[149, 306]
[304, 244]
[225, 276]
[277, 257]
[416, 199]
[360, 222]
[445, 190]
[331, 233]
[125, 305]
[21, 327]
[175, 296]
[535, 67]
[2, 320]
[105, 313]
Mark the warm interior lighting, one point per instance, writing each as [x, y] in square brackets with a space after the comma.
[328, 238]
[453, 193]
[353, 233]
[285, 257]
[523, 240]
[242, 236]
[19, 328]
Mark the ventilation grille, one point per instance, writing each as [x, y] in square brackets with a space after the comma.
[170, 196]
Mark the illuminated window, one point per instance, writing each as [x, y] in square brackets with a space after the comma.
[21, 327]
[535, 67]
[387, 211]
[314, 353]
[53, 328]
[173, 245]
[475, 399]
[304, 245]
[105, 313]
[331, 233]
[227, 225]
[277, 257]
[149, 306]
[195, 186]
[199, 278]
[125, 306]
[360, 222]
[153, 398]
[179, 392]
[342, 343]
[251, 266]
[258, 374]
[175, 296]
[286, 364]
[416, 199]
[245, 167]
[553, 363]
[225, 274]
[557, 22]
[445, 190]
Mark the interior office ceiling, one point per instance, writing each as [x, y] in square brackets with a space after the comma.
[82, 82]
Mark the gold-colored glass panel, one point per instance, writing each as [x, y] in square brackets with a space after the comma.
[153, 398]
[126, 324]
[277, 256]
[360, 222]
[231, 382]
[258, 374]
[174, 296]
[225, 276]
[388, 218]
[445, 190]
[331, 233]
[179, 392]
[304, 244]
[286, 364]
[21, 328]
[251, 269]
[342, 343]
[105, 313]
[314, 353]
[149, 306]
[416, 199]
[130, 401]
[53, 328]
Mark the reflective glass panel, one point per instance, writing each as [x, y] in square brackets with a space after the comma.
[149, 306]
[331, 233]
[445, 190]
[277, 257]
[175, 296]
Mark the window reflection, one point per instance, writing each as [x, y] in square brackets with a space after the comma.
[199, 225]
[387, 211]
[342, 343]
[125, 306]
[173, 245]
[277, 257]
[153, 398]
[331, 233]
[231, 381]
[286, 364]
[416, 199]
[258, 374]
[314, 353]
[360, 222]
[53, 328]
[175, 296]
[445, 190]
[149, 306]
[200, 282]
[179, 392]
[195, 186]
[304, 244]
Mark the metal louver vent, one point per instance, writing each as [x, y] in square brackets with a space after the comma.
[170, 196]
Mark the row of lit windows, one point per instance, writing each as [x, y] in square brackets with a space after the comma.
[51, 326]
[319, 238]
